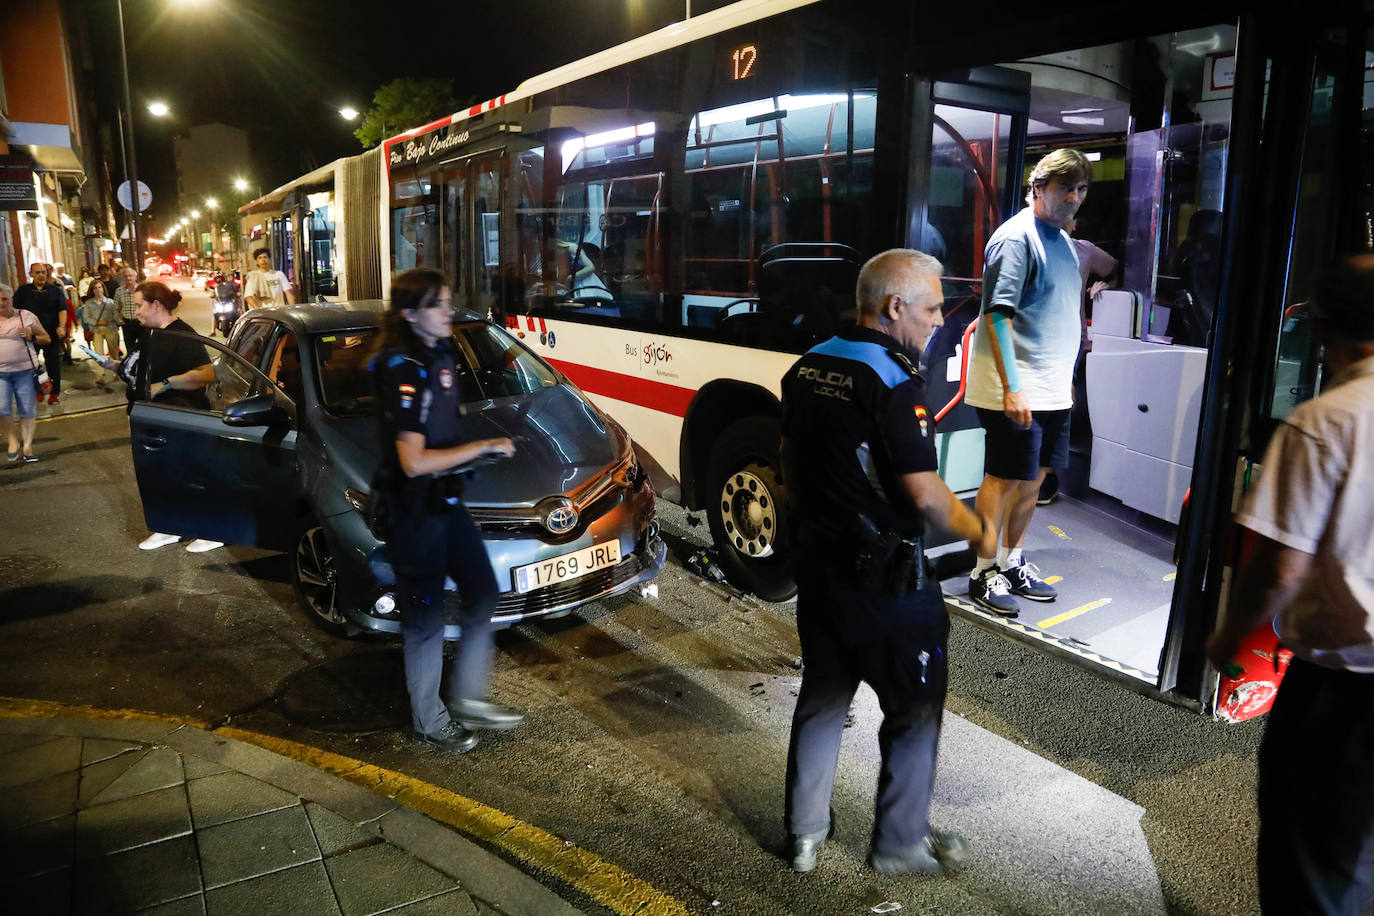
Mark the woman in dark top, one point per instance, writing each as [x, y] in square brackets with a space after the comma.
[430, 534]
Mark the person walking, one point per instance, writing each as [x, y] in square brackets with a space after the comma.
[100, 316]
[1020, 372]
[20, 331]
[1311, 573]
[123, 294]
[48, 302]
[430, 534]
[858, 448]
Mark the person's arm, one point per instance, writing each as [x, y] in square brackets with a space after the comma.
[997, 325]
[1265, 584]
[36, 332]
[250, 291]
[416, 459]
[1004, 282]
[939, 506]
[190, 380]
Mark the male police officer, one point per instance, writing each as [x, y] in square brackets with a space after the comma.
[860, 465]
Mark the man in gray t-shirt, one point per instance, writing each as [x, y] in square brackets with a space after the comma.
[1020, 372]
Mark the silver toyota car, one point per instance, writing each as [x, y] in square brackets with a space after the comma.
[280, 451]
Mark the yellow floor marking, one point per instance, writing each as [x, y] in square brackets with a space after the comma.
[1053, 579]
[1061, 535]
[1169, 577]
[606, 883]
[1070, 615]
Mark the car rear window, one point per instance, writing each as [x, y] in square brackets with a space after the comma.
[491, 365]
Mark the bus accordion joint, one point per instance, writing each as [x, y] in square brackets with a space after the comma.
[963, 373]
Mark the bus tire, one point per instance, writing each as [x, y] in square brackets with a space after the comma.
[747, 507]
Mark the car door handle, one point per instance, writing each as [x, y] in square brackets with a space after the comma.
[152, 442]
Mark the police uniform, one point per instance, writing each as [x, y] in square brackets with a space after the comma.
[854, 421]
[431, 535]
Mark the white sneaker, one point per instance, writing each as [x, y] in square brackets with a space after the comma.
[200, 545]
[156, 540]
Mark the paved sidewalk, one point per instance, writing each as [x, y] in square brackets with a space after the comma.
[117, 816]
[80, 392]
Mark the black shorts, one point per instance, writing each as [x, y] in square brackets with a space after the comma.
[1013, 453]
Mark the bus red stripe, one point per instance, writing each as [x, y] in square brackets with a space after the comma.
[632, 389]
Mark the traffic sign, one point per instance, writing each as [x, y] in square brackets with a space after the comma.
[145, 196]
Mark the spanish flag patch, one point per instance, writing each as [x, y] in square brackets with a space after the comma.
[407, 389]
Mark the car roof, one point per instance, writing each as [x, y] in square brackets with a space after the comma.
[320, 317]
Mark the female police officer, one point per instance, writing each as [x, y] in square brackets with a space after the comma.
[430, 533]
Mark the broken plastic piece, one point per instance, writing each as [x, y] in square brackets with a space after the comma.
[704, 564]
[648, 590]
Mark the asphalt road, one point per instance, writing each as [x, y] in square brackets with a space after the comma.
[657, 727]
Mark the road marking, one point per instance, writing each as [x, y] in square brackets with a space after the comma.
[1069, 615]
[1053, 579]
[1061, 535]
[606, 883]
[1169, 577]
[82, 413]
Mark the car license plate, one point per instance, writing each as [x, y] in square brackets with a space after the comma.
[568, 566]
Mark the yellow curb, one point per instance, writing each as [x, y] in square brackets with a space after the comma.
[606, 883]
[81, 413]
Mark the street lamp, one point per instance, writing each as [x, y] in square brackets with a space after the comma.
[158, 109]
[348, 113]
[240, 184]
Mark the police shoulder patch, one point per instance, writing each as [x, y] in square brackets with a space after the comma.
[904, 361]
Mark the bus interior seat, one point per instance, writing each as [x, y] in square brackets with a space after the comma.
[806, 290]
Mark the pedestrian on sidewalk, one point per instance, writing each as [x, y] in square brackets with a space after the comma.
[430, 534]
[46, 300]
[858, 449]
[20, 336]
[1312, 574]
[266, 286]
[128, 318]
[100, 315]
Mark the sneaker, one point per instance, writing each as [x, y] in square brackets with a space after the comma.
[941, 850]
[53, 399]
[990, 589]
[1025, 581]
[452, 739]
[200, 545]
[481, 714]
[1049, 489]
[156, 540]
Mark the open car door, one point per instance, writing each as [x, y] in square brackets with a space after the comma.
[218, 463]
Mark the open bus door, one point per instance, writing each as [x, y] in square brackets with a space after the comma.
[1180, 181]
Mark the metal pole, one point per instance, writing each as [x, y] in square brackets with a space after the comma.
[134, 235]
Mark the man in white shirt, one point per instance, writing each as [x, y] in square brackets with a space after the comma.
[1312, 574]
[266, 286]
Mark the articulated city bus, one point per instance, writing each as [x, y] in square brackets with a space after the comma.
[671, 221]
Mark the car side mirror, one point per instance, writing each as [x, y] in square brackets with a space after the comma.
[259, 410]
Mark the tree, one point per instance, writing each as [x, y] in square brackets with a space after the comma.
[404, 103]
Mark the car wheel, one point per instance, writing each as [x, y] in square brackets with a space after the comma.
[315, 578]
[747, 508]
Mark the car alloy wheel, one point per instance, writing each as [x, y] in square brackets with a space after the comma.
[317, 577]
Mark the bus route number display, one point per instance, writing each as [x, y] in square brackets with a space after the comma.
[742, 62]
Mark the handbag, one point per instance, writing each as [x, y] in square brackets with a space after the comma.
[28, 351]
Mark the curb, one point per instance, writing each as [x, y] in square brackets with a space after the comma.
[603, 882]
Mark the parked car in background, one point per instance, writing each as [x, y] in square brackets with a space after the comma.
[203, 278]
[282, 454]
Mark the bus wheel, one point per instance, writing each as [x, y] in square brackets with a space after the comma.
[747, 508]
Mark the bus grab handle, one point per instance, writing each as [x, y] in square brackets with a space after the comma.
[963, 373]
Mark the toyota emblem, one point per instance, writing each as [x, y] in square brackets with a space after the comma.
[561, 517]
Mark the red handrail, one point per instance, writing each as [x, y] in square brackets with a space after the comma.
[963, 374]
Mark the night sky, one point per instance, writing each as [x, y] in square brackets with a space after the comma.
[282, 69]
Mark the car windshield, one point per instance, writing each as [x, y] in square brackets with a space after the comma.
[491, 365]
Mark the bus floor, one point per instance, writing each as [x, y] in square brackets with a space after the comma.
[1115, 582]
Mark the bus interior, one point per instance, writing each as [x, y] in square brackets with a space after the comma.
[1153, 118]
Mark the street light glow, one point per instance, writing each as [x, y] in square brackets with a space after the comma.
[240, 184]
[211, 203]
[195, 214]
[158, 109]
[348, 112]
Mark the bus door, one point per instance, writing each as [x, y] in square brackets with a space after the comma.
[470, 200]
[975, 129]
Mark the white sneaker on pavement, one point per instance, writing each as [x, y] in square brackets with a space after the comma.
[156, 540]
[200, 545]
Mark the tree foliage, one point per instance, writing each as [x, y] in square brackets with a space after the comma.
[405, 103]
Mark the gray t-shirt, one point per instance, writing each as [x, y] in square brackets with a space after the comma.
[1031, 272]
